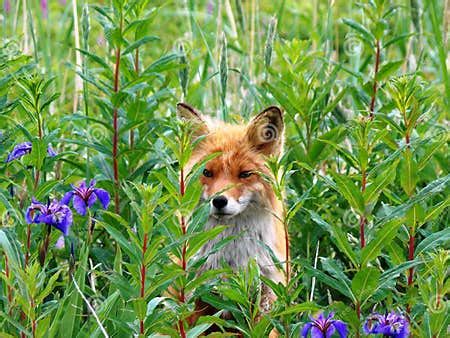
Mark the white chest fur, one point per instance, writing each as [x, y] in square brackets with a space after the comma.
[252, 232]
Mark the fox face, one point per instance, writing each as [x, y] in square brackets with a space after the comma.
[233, 180]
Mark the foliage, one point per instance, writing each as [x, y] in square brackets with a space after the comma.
[366, 92]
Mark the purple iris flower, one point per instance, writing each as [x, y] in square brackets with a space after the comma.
[389, 325]
[25, 148]
[53, 213]
[85, 196]
[322, 327]
[19, 150]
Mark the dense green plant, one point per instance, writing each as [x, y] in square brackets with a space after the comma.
[88, 91]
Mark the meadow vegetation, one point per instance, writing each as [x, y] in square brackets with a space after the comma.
[99, 218]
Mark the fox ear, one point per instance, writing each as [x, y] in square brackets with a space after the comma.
[266, 131]
[188, 113]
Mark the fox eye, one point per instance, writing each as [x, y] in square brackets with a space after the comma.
[207, 173]
[245, 174]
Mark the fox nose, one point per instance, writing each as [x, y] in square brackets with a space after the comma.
[220, 202]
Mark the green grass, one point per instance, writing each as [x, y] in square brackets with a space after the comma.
[365, 92]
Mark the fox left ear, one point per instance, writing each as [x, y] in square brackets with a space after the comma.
[188, 113]
[266, 131]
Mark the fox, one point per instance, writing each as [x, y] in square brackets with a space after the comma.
[239, 196]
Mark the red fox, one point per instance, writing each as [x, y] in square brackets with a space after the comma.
[239, 196]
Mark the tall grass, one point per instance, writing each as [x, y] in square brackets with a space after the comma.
[365, 92]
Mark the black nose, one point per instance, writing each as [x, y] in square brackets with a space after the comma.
[220, 202]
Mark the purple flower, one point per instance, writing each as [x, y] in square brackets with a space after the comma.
[84, 197]
[25, 148]
[50, 151]
[44, 8]
[322, 327]
[19, 150]
[60, 243]
[389, 325]
[55, 214]
[7, 6]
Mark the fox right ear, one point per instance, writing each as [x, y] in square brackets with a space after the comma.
[187, 113]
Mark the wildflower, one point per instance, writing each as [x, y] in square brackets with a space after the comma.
[44, 8]
[60, 244]
[19, 150]
[322, 327]
[85, 196]
[25, 148]
[55, 214]
[7, 6]
[389, 325]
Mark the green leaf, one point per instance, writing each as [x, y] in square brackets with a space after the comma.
[382, 238]
[365, 282]
[388, 69]
[120, 239]
[381, 181]
[433, 241]
[44, 189]
[366, 35]
[408, 173]
[139, 43]
[38, 153]
[339, 236]
[330, 281]
[199, 239]
[350, 191]
[299, 308]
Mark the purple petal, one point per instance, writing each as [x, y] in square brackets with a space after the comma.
[79, 204]
[91, 200]
[19, 150]
[29, 216]
[306, 330]
[103, 196]
[330, 331]
[341, 328]
[60, 243]
[316, 333]
[50, 151]
[67, 198]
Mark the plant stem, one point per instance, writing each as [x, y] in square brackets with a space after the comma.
[27, 252]
[136, 69]
[375, 82]
[183, 251]
[362, 219]
[143, 273]
[10, 296]
[44, 248]
[411, 255]
[116, 126]
[358, 313]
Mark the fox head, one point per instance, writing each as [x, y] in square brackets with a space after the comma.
[232, 180]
